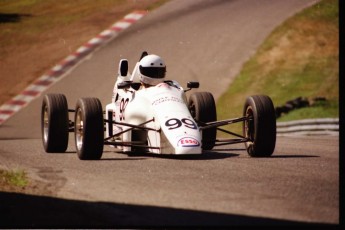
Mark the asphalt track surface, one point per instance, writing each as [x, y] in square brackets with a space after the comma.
[200, 40]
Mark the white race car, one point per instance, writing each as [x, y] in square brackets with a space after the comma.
[158, 119]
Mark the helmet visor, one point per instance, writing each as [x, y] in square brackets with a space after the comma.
[153, 72]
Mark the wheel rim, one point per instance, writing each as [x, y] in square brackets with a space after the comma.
[45, 124]
[249, 129]
[79, 132]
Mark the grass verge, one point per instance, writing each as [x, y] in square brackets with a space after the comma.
[300, 58]
[14, 178]
[30, 30]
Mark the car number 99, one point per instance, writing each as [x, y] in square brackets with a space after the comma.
[175, 123]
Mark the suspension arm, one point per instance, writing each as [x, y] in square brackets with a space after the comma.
[214, 124]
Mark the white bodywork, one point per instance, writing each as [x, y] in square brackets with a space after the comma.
[164, 108]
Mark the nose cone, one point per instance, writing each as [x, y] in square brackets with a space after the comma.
[190, 150]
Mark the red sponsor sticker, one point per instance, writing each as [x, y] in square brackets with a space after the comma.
[188, 142]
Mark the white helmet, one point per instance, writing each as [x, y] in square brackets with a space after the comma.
[152, 69]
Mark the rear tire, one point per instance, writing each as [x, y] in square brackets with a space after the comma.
[89, 129]
[261, 129]
[54, 123]
[203, 109]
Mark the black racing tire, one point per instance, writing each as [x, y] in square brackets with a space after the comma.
[54, 123]
[89, 129]
[261, 128]
[203, 109]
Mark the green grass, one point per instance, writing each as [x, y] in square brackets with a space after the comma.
[38, 17]
[328, 109]
[13, 178]
[300, 58]
[41, 16]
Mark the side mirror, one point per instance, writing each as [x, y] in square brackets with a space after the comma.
[123, 67]
[193, 85]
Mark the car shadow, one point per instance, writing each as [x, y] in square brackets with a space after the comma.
[209, 155]
[11, 18]
[206, 155]
[122, 159]
[214, 155]
[31, 211]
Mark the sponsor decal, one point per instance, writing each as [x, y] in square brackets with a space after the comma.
[123, 105]
[167, 99]
[188, 142]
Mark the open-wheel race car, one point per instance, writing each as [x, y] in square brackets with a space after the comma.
[150, 114]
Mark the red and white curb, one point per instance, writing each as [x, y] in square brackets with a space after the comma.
[47, 80]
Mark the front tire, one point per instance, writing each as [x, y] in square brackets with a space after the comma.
[54, 123]
[260, 129]
[89, 129]
[203, 109]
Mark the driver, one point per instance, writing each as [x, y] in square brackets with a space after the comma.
[152, 70]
